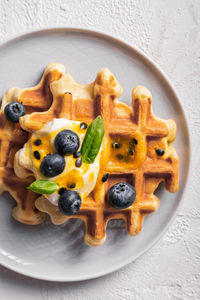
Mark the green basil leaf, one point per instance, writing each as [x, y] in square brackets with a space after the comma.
[92, 141]
[42, 186]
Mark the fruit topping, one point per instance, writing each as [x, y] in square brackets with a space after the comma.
[76, 154]
[105, 177]
[62, 190]
[14, 110]
[72, 185]
[160, 152]
[83, 125]
[36, 154]
[134, 142]
[69, 203]
[52, 165]
[37, 142]
[130, 151]
[67, 142]
[121, 195]
[116, 145]
[78, 162]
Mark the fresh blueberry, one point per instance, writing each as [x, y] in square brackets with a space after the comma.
[69, 203]
[14, 110]
[67, 142]
[121, 195]
[52, 165]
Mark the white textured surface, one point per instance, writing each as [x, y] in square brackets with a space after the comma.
[168, 31]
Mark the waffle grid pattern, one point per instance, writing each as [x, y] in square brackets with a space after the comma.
[13, 137]
[145, 177]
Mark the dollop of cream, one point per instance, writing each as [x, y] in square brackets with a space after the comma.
[84, 177]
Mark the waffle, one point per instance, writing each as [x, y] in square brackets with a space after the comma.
[145, 170]
[12, 138]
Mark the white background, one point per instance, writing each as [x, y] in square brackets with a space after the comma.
[169, 32]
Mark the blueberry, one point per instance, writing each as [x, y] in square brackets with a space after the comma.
[38, 142]
[67, 142]
[52, 165]
[69, 203]
[121, 195]
[14, 110]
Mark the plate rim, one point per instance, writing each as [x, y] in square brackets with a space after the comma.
[157, 68]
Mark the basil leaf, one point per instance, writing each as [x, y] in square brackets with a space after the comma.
[42, 186]
[92, 141]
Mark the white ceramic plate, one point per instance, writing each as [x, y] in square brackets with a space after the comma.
[58, 253]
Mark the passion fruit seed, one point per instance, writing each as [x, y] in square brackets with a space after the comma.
[78, 162]
[116, 145]
[105, 177]
[134, 142]
[160, 152]
[77, 154]
[37, 142]
[131, 151]
[36, 154]
[83, 125]
[72, 185]
[62, 190]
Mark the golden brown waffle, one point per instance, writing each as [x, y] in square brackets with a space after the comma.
[145, 170]
[12, 138]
